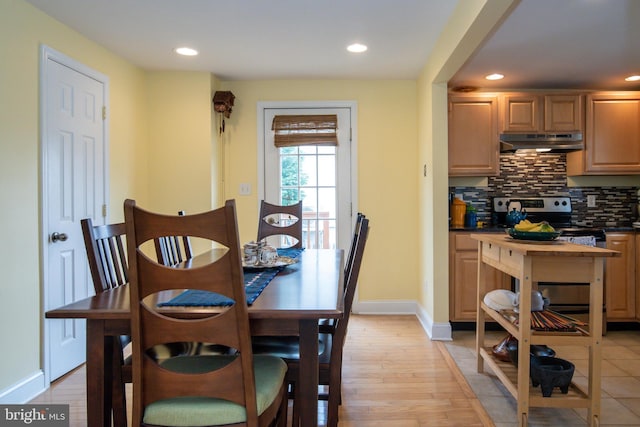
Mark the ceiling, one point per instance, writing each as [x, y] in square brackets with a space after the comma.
[563, 44]
[590, 44]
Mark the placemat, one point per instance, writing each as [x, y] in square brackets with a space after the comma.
[254, 284]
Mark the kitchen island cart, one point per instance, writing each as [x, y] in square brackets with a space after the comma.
[530, 263]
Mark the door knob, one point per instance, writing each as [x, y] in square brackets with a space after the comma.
[61, 237]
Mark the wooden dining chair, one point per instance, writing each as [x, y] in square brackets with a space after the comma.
[172, 250]
[332, 343]
[283, 221]
[239, 389]
[107, 257]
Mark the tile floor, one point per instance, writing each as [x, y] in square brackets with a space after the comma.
[620, 381]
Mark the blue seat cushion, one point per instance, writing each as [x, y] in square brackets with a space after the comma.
[203, 411]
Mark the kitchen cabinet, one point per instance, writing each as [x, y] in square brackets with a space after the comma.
[637, 258]
[612, 136]
[474, 148]
[620, 278]
[542, 113]
[463, 277]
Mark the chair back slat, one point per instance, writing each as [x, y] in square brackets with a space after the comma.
[170, 249]
[230, 326]
[284, 221]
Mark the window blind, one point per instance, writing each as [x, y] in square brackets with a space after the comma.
[292, 130]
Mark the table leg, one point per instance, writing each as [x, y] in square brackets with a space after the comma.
[307, 387]
[98, 413]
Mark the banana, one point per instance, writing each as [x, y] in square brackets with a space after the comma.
[533, 227]
[525, 225]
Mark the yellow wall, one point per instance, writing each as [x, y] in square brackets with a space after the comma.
[22, 30]
[470, 23]
[387, 148]
[180, 141]
[166, 153]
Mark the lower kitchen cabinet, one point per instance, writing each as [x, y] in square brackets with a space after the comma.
[620, 278]
[463, 277]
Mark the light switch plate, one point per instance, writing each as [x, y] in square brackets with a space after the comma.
[245, 189]
[591, 201]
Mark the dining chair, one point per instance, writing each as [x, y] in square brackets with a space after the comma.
[210, 390]
[331, 344]
[172, 250]
[282, 221]
[107, 259]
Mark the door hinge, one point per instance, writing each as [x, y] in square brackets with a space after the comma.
[104, 113]
[350, 134]
[104, 211]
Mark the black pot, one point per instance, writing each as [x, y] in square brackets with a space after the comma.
[534, 350]
[551, 372]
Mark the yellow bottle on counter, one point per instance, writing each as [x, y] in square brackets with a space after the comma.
[458, 209]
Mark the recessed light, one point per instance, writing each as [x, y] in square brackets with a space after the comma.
[494, 76]
[357, 48]
[633, 78]
[186, 51]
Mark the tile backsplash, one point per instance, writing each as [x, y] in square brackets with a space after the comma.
[545, 174]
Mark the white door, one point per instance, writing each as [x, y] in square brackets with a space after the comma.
[73, 148]
[321, 176]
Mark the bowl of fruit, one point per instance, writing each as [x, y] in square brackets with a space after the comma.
[537, 231]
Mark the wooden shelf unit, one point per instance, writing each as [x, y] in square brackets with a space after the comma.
[531, 263]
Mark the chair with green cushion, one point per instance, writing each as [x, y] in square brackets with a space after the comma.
[331, 340]
[197, 390]
[283, 222]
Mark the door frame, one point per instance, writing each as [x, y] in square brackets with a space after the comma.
[353, 108]
[46, 54]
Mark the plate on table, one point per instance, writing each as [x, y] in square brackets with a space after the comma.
[282, 261]
[535, 236]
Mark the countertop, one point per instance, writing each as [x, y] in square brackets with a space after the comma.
[555, 248]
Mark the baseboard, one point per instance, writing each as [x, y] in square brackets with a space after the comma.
[25, 390]
[435, 331]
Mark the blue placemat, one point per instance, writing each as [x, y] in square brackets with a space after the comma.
[254, 284]
[290, 252]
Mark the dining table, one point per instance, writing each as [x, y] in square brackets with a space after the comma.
[292, 304]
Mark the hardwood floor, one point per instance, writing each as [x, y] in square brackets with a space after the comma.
[393, 375]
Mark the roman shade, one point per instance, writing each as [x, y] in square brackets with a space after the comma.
[292, 130]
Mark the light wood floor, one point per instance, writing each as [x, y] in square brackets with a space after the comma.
[393, 375]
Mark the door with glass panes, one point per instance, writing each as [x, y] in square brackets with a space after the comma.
[319, 175]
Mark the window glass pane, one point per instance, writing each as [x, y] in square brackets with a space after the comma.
[289, 170]
[308, 171]
[289, 150]
[307, 149]
[309, 202]
[327, 202]
[309, 233]
[326, 149]
[327, 171]
[289, 196]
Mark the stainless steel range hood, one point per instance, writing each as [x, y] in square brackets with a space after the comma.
[555, 142]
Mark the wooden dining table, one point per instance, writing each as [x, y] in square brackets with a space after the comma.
[291, 305]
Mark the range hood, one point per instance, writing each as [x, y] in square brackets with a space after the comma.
[555, 142]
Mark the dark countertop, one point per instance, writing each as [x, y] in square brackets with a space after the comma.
[495, 229]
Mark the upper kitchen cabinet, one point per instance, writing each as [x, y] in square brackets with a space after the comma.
[542, 113]
[612, 136]
[474, 148]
